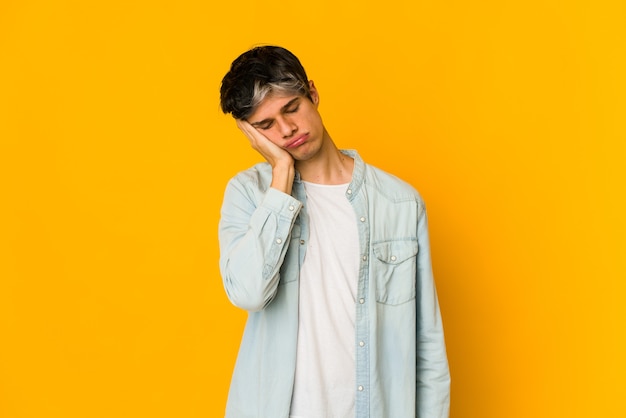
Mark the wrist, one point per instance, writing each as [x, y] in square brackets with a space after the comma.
[282, 177]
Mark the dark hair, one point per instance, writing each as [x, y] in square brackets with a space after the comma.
[257, 73]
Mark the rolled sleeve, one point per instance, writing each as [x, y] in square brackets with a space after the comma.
[254, 233]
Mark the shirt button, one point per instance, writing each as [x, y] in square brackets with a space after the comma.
[301, 242]
[361, 343]
[362, 218]
[364, 258]
[361, 388]
[361, 301]
[349, 191]
[278, 240]
[393, 258]
[291, 207]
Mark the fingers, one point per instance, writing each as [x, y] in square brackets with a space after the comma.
[257, 139]
[247, 129]
[270, 151]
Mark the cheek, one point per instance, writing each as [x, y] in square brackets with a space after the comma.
[313, 119]
[274, 136]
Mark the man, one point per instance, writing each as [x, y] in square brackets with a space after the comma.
[331, 258]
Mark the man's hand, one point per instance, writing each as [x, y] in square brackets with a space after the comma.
[274, 155]
[282, 162]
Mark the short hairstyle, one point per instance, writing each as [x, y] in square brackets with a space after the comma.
[257, 73]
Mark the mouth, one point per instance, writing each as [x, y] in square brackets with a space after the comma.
[298, 141]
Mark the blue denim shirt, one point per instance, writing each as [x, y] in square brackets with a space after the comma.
[401, 364]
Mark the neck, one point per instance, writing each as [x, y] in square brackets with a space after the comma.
[329, 166]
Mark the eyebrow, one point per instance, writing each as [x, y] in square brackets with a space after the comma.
[282, 109]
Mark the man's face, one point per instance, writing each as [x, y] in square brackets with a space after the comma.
[291, 122]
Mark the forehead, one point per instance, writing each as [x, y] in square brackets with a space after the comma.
[272, 104]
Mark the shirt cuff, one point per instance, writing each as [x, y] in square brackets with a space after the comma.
[281, 203]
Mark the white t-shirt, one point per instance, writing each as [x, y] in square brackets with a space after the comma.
[325, 367]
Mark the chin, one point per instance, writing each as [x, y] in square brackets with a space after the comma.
[305, 152]
[305, 156]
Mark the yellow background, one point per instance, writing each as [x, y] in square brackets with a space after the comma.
[508, 116]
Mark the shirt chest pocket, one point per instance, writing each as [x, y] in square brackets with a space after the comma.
[393, 268]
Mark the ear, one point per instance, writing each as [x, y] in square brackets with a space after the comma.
[314, 94]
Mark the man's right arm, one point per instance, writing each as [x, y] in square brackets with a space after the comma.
[254, 234]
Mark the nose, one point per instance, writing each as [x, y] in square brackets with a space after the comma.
[286, 127]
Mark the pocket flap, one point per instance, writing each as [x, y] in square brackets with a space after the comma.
[395, 252]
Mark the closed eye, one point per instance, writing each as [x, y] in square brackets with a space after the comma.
[293, 109]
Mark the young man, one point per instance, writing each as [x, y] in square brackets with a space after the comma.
[331, 258]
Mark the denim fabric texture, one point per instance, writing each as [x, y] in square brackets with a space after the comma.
[401, 363]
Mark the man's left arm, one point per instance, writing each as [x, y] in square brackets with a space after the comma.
[433, 374]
